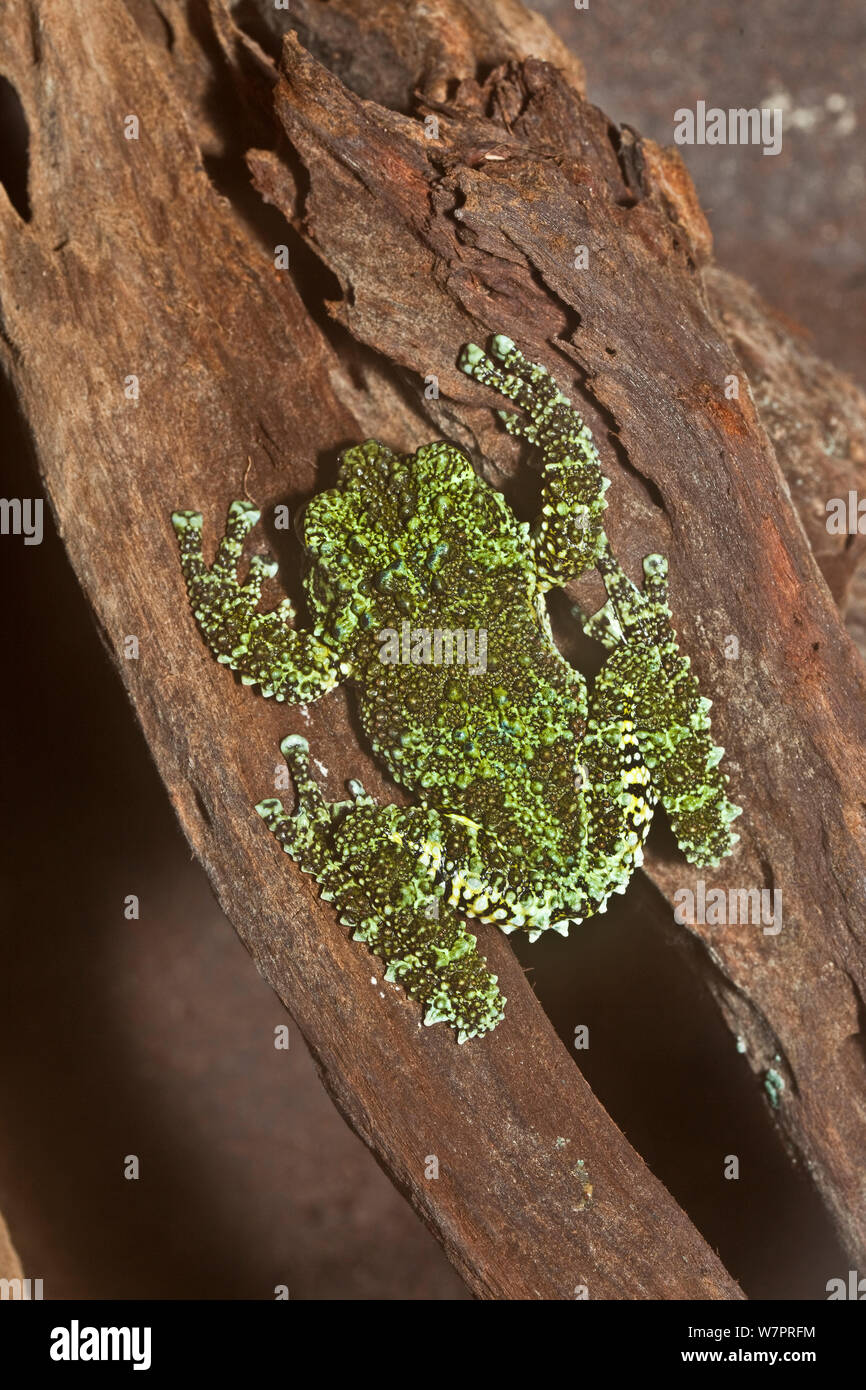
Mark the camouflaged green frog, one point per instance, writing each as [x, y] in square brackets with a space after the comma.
[534, 798]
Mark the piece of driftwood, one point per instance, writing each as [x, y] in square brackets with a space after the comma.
[160, 360]
[134, 267]
[489, 216]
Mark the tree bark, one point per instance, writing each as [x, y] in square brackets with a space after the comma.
[147, 267]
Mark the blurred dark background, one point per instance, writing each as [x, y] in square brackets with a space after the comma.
[155, 1036]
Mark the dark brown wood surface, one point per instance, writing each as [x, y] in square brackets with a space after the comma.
[152, 258]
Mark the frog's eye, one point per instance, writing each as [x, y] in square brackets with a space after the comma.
[321, 521]
[581, 777]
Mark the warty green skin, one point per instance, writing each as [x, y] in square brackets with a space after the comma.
[534, 797]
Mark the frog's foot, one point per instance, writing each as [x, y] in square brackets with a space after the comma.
[568, 531]
[630, 615]
[306, 835]
[283, 662]
[647, 686]
[379, 866]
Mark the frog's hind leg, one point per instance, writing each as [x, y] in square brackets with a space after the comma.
[380, 866]
[568, 531]
[648, 684]
[483, 882]
[283, 662]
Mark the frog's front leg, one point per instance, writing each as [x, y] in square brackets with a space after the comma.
[381, 867]
[568, 531]
[646, 703]
[284, 662]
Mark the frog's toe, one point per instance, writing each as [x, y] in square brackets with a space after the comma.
[502, 346]
[292, 743]
[471, 356]
[603, 626]
[655, 588]
[183, 520]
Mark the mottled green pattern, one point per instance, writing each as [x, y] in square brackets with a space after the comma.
[534, 798]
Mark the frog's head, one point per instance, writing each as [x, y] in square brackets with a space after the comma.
[350, 534]
[381, 541]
